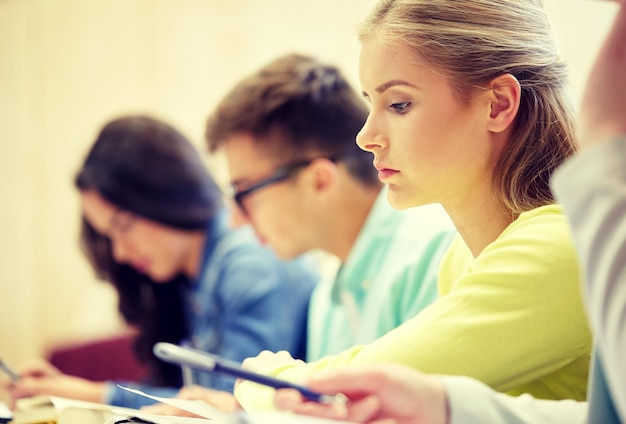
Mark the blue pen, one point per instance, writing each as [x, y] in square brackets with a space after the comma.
[204, 361]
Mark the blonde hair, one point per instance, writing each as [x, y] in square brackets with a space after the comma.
[473, 41]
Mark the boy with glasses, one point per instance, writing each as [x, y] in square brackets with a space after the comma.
[297, 176]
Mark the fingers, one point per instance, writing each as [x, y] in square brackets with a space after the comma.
[268, 359]
[194, 392]
[169, 410]
[221, 400]
[362, 410]
[29, 386]
[159, 409]
[287, 399]
[37, 368]
[58, 385]
[349, 381]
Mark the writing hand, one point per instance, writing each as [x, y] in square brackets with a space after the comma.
[38, 377]
[377, 393]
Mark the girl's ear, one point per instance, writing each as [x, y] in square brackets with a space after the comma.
[505, 94]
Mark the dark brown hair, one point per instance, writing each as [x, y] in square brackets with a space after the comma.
[299, 108]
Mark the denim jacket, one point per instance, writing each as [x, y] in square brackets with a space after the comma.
[244, 301]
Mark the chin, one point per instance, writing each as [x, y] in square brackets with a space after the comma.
[403, 198]
[160, 277]
[400, 201]
[285, 255]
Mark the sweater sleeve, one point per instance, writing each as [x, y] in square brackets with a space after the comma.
[512, 318]
[472, 402]
[592, 188]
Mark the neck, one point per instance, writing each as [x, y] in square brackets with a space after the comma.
[347, 219]
[479, 221]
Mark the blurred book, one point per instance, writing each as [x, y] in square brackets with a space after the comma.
[58, 410]
[156, 419]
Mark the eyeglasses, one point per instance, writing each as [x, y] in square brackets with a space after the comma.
[121, 223]
[281, 174]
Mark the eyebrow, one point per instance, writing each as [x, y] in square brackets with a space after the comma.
[389, 84]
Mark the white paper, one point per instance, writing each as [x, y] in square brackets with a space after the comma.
[214, 415]
[197, 407]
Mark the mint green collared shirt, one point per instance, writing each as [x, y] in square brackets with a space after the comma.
[390, 275]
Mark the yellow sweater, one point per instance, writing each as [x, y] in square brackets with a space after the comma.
[512, 317]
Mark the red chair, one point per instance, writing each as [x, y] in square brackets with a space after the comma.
[108, 358]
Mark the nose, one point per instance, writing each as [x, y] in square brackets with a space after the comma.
[369, 138]
[120, 250]
[237, 217]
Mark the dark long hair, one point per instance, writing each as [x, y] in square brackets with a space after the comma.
[144, 166]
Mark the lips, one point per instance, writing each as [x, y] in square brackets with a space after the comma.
[141, 266]
[385, 172]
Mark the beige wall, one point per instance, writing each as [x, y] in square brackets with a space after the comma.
[67, 66]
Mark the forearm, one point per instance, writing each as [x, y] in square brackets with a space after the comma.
[602, 115]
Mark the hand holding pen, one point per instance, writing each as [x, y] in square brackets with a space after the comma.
[39, 377]
[203, 361]
[378, 393]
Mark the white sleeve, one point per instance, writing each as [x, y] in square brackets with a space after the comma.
[592, 189]
[472, 402]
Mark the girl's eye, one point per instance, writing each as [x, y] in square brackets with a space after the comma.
[400, 107]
